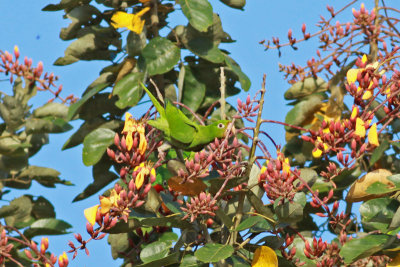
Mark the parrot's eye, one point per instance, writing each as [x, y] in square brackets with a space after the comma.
[221, 125]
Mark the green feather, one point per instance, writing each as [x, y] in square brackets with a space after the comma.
[180, 131]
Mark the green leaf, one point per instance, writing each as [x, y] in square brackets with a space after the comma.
[159, 56]
[205, 48]
[13, 112]
[198, 12]
[307, 87]
[395, 223]
[243, 79]
[190, 261]
[99, 105]
[379, 152]
[193, 91]
[93, 44]
[238, 4]
[249, 222]
[65, 4]
[261, 226]
[95, 144]
[377, 214]
[53, 109]
[363, 247]
[49, 226]
[74, 108]
[48, 124]
[102, 177]
[87, 127]
[80, 16]
[42, 208]
[154, 251]
[170, 203]
[237, 261]
[168, 237]
[212, 252]
[119, 243]
[289, 212]
[18, 213]
[45, 176]
[300, 198]
[303, 110]
[166, 261]
[135, 43]
[129, 90]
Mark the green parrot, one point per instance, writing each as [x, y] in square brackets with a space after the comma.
[180, 131]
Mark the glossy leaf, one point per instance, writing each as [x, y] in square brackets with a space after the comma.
[87, 127]
[190, 261]
[249, 222]
[198, 12]
[129, 90]
[159, 56]
[212, 252]
[154, 251]
[363, 247]
[289, 212]
[205, 48]
[377, 214]
[95, 144]
[379, 152]
[166, 261]
[193, 91]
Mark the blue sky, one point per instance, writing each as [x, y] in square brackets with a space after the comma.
[36, 33]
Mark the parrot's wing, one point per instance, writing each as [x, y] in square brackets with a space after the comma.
[179, 127]
[161, 124]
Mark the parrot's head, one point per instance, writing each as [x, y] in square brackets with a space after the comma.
[219, 128]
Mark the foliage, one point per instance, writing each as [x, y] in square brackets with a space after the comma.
[233, 200]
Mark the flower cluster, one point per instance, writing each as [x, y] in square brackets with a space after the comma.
[278, 180]
[203, 204]
[13, 67]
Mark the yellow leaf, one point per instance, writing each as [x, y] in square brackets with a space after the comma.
[373, 135]
[360, 128]
[264, 257]
[90, 214]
